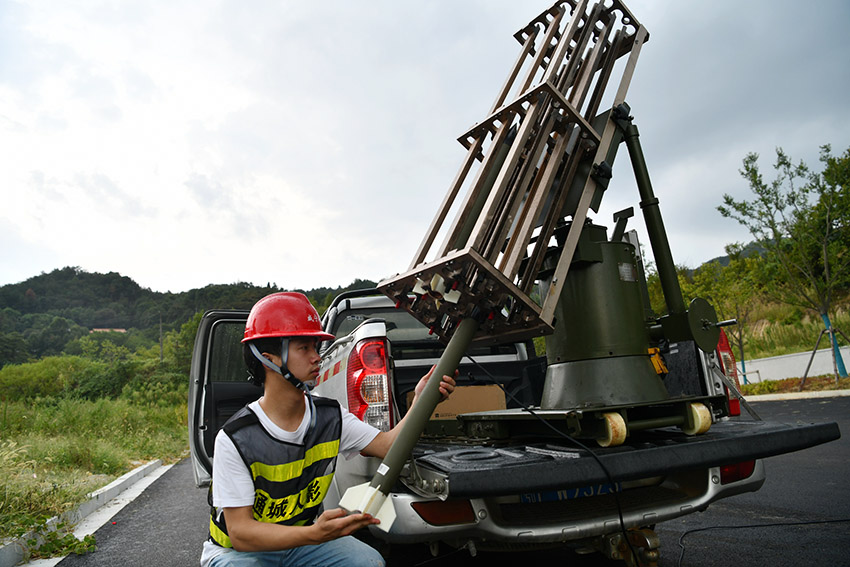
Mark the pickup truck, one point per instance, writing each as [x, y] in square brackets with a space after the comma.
[492, 490]
[630, 419]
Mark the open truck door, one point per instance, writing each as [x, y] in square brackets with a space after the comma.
[218, 385]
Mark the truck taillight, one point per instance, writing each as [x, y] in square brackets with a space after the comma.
[736, 472]
[727, 365]
[445, 513]
[369, 396]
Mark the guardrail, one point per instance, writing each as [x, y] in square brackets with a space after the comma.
[793, 365]
[745, 374]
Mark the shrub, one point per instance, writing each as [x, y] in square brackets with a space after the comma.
[102, 380]
[758, 388]
[50, 376]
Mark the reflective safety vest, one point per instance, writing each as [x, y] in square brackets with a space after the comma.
[290, 480]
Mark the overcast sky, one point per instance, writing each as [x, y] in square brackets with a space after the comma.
[310, 143]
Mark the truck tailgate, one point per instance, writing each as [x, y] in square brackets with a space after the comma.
[558, 465]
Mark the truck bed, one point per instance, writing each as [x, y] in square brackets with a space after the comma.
[556, 465]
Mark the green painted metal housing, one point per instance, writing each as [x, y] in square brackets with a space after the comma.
[599, 352]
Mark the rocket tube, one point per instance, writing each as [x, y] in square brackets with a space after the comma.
[421, 411]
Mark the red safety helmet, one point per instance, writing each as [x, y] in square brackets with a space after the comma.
[284, 314]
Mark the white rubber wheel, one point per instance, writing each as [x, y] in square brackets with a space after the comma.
[701, 417]
[615, 430]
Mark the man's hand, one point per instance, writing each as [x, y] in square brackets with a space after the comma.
[447, 385]
[333, 524]
[384, 439]
[247, 534]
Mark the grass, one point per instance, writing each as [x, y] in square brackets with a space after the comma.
[54, 452]
[796, 332]
[789, 385]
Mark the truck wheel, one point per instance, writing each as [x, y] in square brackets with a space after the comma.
[615, 430]
[700, 416]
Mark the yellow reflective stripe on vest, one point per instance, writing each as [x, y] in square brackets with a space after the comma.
[275, 510]
[288, 471]
[218, 535]
[222, 539]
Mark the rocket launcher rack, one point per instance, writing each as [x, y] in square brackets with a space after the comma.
[536, 159]
[541, 157]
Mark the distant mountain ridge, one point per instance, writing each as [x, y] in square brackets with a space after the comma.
[745, 252]
[112, 301]
[95, 300]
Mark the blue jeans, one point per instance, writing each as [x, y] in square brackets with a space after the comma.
[346, 551]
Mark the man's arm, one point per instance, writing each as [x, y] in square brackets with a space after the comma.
[247, 534]
[384, 440]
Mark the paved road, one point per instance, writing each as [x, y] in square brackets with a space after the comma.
[807, 486]
[167, 524]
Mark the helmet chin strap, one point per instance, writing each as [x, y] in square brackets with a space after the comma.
[284, 371]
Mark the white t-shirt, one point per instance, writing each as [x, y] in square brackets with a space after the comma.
[232, 485]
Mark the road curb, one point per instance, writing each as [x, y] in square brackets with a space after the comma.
[798, 396]
[16, 550]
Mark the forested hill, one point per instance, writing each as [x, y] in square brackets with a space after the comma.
[40, 313]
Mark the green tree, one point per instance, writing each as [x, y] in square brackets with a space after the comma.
[47, 334]
[13, 348]
[731, 289]
[98, 346]
[10, 320]
[800, 220]
[179, 344]
[657, 300]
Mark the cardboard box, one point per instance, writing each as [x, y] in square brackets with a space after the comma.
[468, 399]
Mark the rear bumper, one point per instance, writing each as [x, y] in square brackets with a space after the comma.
[513, 491]
[510, 523]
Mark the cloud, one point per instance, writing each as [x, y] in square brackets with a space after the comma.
[310, 143]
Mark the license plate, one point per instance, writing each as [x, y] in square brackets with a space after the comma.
[569, 493]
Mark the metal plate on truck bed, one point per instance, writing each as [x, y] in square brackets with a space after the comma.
[557, 465]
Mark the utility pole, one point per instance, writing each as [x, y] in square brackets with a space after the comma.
[160, 338]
